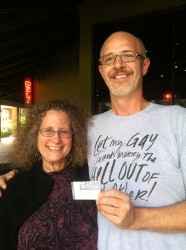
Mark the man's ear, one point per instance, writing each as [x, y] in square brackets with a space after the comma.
[146, 64]
[100, 70]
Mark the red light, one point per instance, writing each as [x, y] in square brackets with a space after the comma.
[28, 91]
[168, 97]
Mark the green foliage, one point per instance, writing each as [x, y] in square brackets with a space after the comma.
[6, 133]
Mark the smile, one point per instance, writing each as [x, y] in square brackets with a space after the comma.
[54, 148]
[123, 76]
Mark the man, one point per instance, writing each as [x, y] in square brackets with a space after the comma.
[138, 152]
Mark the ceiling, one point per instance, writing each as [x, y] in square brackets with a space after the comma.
[29, 38]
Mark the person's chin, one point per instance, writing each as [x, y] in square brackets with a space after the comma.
[120, 92]
[54, 160]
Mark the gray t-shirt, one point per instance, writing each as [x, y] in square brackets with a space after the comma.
[143, 155]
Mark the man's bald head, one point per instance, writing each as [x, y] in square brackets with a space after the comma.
[120, 36]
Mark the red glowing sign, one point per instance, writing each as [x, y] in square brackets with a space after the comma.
[28, 91]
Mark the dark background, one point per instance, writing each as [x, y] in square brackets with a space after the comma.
[30, 39]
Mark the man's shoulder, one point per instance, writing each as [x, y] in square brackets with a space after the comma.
[101, 116]
[174, 109]
[99, 119]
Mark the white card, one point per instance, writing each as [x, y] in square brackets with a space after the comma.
[85, 190]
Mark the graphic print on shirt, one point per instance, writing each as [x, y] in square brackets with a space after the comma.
[126, 165]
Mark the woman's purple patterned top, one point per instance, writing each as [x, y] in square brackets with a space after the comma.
[61, 222]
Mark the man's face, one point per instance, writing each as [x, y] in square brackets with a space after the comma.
[123, 78]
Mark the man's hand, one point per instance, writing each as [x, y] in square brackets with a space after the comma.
[4, 179]
[116, 207]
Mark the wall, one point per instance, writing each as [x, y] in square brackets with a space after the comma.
[62, 79]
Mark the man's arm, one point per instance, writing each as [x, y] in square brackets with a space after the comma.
[5, 178]
[117, 207]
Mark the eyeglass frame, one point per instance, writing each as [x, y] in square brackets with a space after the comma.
[114, 57]
[62, 133]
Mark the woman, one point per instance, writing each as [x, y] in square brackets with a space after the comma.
[50, 153]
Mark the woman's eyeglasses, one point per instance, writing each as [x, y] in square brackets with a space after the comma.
[49, 132]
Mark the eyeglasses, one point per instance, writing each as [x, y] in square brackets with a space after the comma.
[124, 56]
[49, 132]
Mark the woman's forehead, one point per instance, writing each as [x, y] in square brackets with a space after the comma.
[53, 116]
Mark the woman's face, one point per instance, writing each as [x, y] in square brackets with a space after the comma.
[54, 139]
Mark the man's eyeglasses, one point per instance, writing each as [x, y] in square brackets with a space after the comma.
[49, 132]
[124, 56]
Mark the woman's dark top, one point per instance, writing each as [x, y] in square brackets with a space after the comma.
[41, 207]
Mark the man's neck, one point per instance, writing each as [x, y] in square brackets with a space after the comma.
[127, 106]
